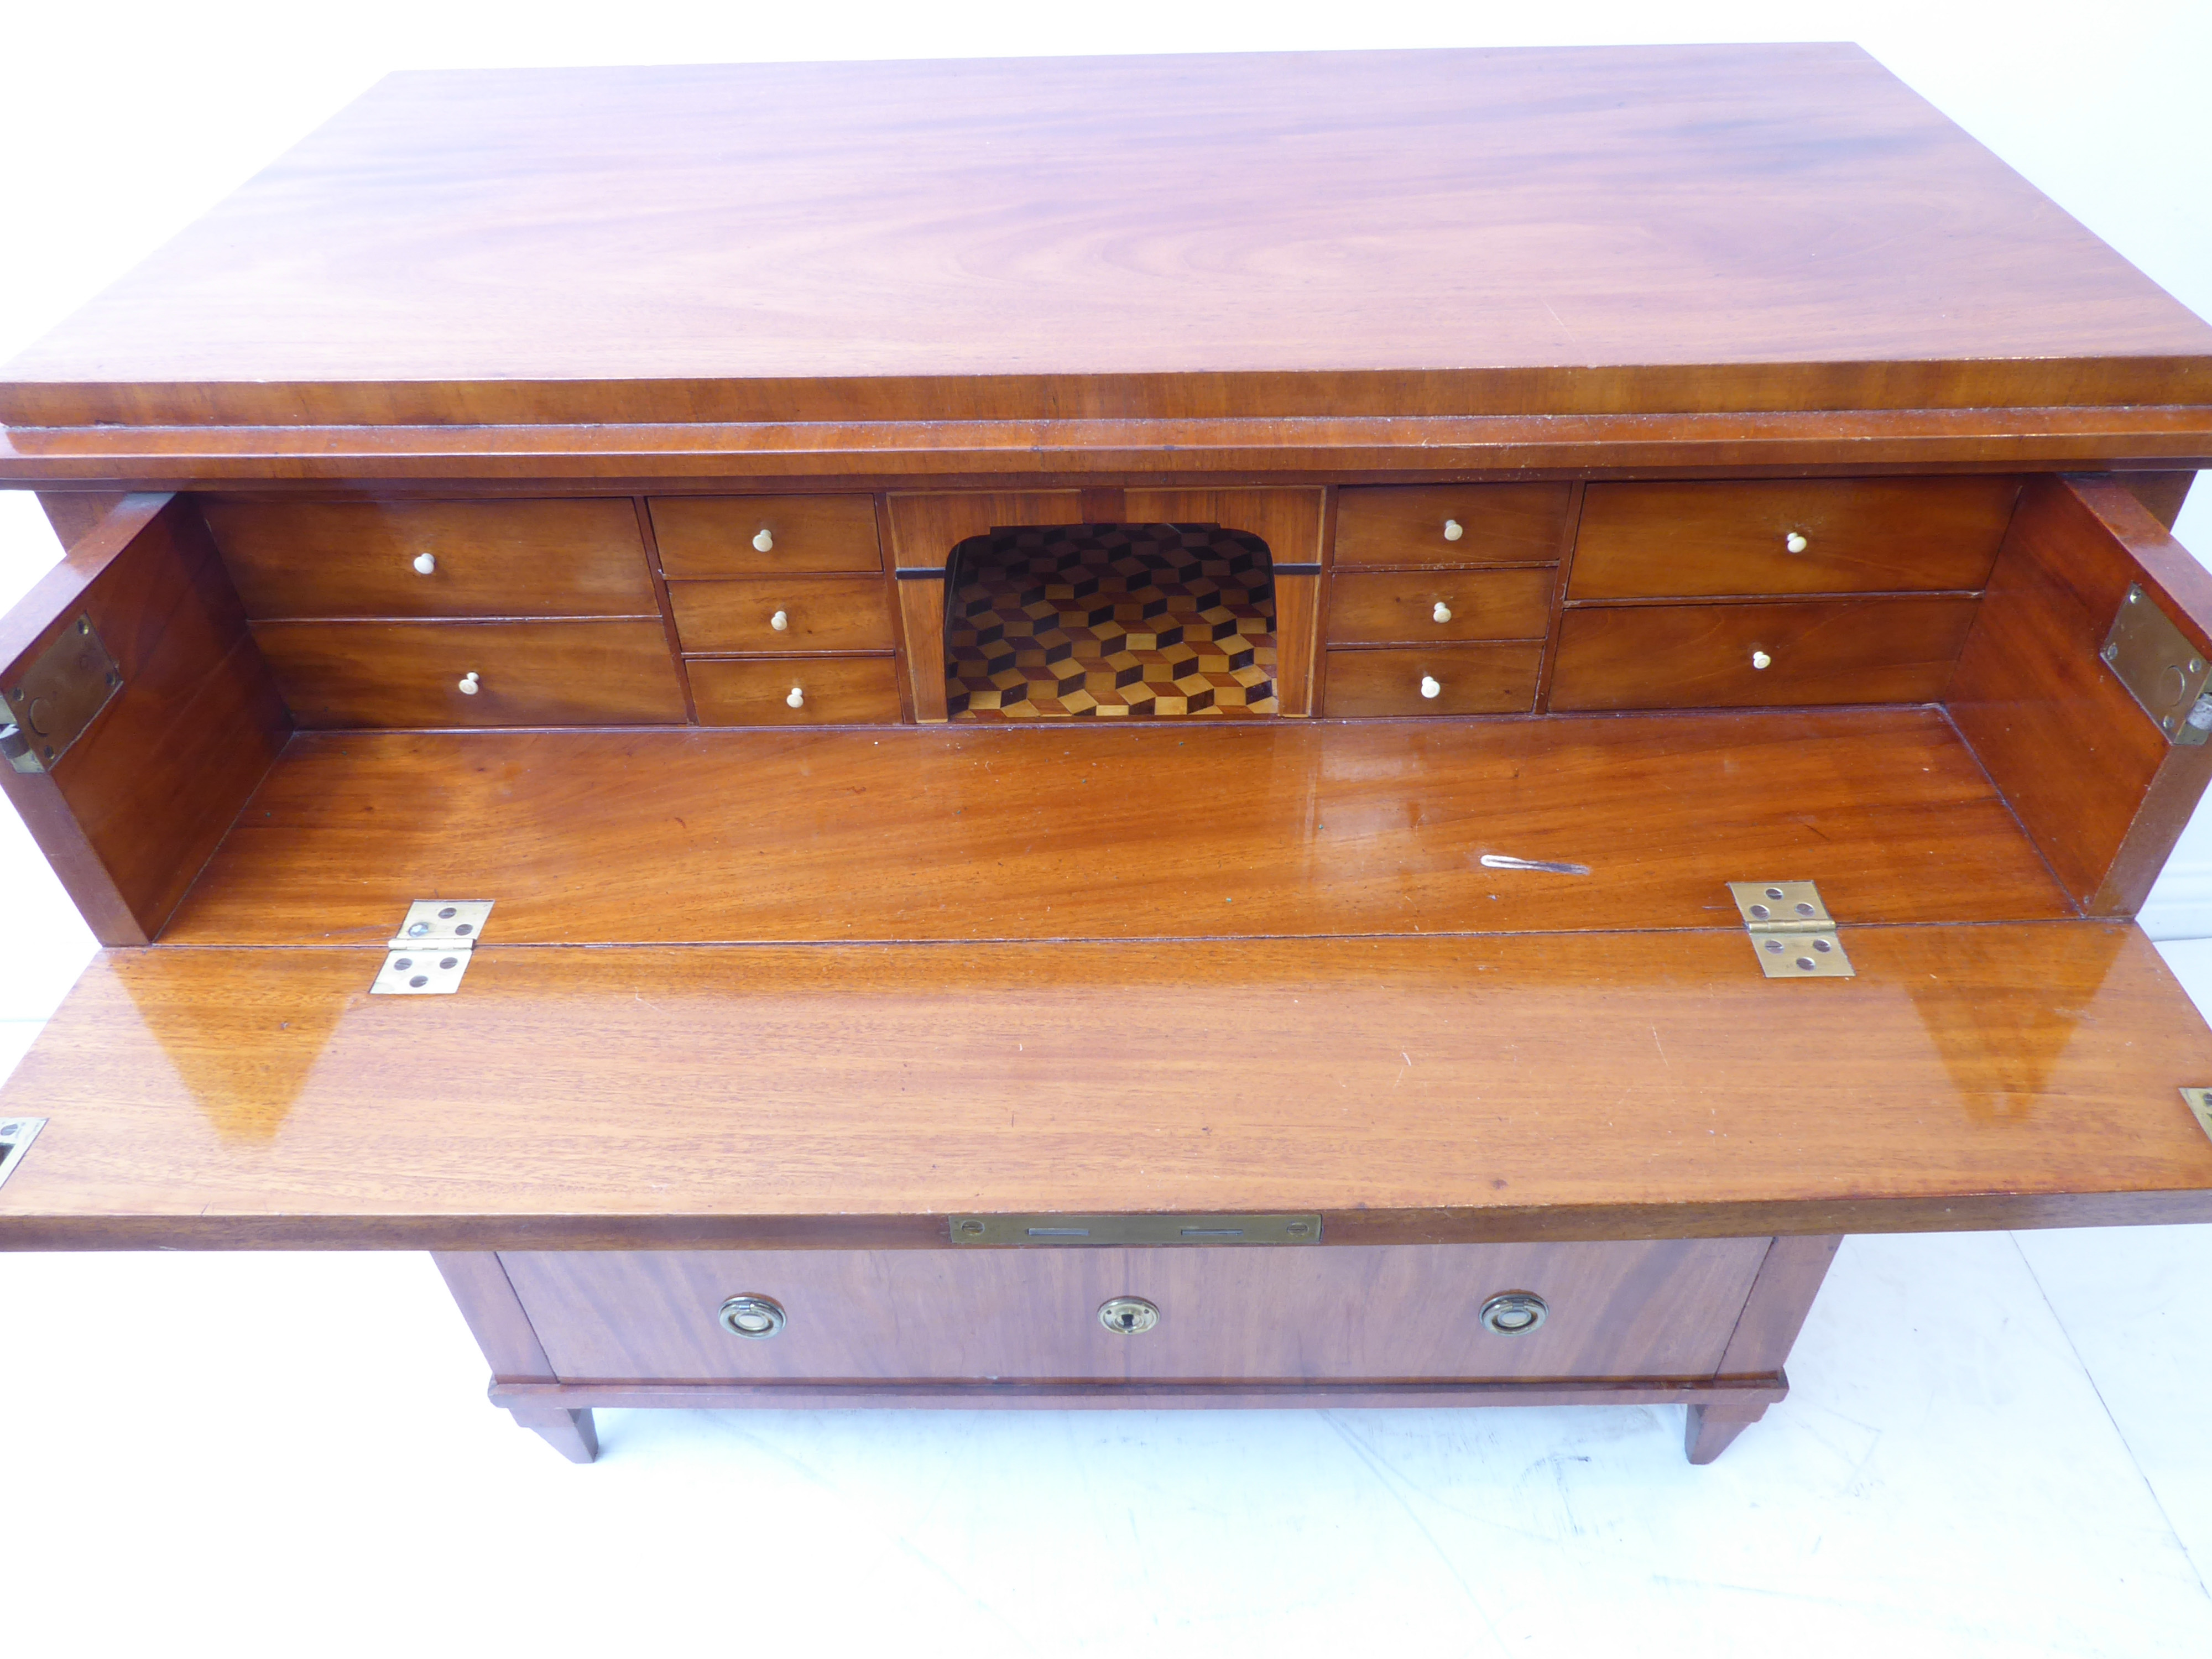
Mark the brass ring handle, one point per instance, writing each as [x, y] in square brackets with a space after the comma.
[756, 1318]
[1514, 1313]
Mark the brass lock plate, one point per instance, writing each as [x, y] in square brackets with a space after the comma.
[2162, 671]
[2200, 1102]
[52, 703]
[1036, 1229]
[16, 1134]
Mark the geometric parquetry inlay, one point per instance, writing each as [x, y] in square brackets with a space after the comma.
[1111, 619]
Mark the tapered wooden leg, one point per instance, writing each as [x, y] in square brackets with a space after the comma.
[1711, 1428]
[568, 1432]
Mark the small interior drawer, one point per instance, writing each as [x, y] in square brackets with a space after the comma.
[759, 535]
[1469, 679]
[1648, 1309]
[816, 613]
[1414, 523]
[486, 558]
[1790, 536]
[527, 673]
[832, 691]
[1411, 607]
[1744, 656]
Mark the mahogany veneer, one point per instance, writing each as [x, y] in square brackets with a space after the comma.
[1752, 569]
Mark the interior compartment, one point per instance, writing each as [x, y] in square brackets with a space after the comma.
[1110, 621]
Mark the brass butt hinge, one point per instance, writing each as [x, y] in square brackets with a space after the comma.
[2200, 1102]
[431, 951]
[1792, 931]
[16, 1134]
[2162, 671]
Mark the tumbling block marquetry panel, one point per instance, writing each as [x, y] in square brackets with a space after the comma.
[1111, 620]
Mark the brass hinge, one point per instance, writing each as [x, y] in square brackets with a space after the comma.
[1136, 1230]
[432, 949]
[16, 1134]
[2200, 1102]
[2162, 671]
[1792, 931]
[56, 697]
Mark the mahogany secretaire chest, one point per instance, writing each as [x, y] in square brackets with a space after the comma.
[1371, 728]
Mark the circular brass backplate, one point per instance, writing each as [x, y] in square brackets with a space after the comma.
[1514, 1313]
[1128, 1316]
[756, 1318]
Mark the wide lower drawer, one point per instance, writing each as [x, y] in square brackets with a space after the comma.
[756, 535]
[1451, 523]
[1411, 607]
[795, 692]
[488, 558]
[1733, 656]
[1664, 1308]
[1790, 536]
[783, 614]
[462, 674]
[1434, 679]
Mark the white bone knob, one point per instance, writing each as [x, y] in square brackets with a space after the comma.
[1431, 686]
[469, 687]
[796, 700]
[780, 621]
[425, 563]
[1452, 530]
[1796, 543]
[764, 543]
[1443, 612]
[1759, 659]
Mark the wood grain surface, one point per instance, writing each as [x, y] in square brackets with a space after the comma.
[129, 814]
[833, 690]
[714, 535]
[529, 673]
[2093, 778]
[508, 558]
[1662, 1308]
[1404, 526]
[1704, 656]
[1398, 233]
[1577, 1086]
[1072, 832]
[1471, 680]
[1399, 607]
[820, 613]
[1861, 536]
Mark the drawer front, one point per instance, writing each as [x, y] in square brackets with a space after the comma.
[721, 535]
[1415, 607]
[833, 692]
[1658, 1309]
[1470, 679]
[1498, 524]
[533, 673]
[570, 558]
[1790, 536]
[1707, 656]
[819, 613]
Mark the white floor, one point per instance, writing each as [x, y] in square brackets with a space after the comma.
[1997, 1445]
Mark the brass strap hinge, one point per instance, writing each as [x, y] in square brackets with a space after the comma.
[432, 949]
[16, 1134]
[1792, 931]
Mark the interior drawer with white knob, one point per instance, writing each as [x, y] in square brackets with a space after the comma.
[754, 535]
[1790, 536]
[1434, 679]
[1662, 1308]
[795, 690]
[584, 557]
[782, 614]
[1407, 607]
[1763, 655]
[411, 674]
[1394, 524]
